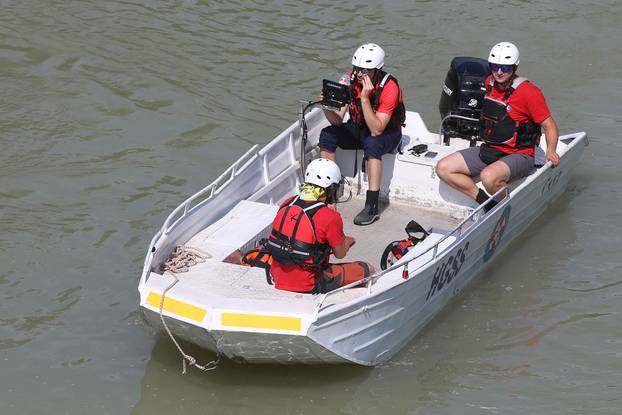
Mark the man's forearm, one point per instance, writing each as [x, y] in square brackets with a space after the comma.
[333, 117]
[551, 133]
[375, 125]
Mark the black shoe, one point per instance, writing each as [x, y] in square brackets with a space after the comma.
[490, 205]
[482, 196]
[367, 216]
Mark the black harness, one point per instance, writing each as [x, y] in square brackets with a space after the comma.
[288, 249]
[497, 127]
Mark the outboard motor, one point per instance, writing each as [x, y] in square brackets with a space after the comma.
[461, 100]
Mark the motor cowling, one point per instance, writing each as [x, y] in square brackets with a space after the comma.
[462, 95]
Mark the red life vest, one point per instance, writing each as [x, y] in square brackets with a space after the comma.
[293, 240]
[498, 128]
[356, 108]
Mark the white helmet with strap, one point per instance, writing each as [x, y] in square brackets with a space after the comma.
[368, 56]
[504, 53]
[323, 172]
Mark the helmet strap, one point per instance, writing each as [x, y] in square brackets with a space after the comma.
[377, 76]
[506, 85]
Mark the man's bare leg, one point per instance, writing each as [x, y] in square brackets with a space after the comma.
[453, 170]
[325, 154]
[374, 173]
[495, 176]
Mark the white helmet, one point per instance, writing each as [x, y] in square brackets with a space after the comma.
[504, 53]
[323, 173]
[368, 56]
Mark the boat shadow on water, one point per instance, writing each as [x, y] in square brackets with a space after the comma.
[233, 387]
[166, 356]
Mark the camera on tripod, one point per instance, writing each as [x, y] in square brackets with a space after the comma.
[336, 95]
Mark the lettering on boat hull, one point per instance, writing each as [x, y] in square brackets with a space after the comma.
[446, 272]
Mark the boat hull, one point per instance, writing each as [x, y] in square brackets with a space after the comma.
[249, 347]
[366, 326]
[373, 330]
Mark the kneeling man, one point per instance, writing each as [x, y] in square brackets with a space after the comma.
[306, 229]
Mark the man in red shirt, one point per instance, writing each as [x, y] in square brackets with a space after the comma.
[305, 230]
[513, 112]
[377, 114]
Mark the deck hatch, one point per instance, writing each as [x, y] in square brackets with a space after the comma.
[177, 307]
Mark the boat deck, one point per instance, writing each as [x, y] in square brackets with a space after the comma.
[236, 233]
[371, 240]
[221, 282]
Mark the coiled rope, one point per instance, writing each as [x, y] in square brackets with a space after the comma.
[182, 259]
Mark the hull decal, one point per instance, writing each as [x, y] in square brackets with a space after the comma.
[177, 307]
[497, 233]
[257, 321]
[445, 272]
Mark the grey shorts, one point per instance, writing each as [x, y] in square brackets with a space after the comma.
[520, 164]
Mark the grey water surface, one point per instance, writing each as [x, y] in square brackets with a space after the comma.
[112, 112]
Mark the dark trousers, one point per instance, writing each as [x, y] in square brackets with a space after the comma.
[346, 136]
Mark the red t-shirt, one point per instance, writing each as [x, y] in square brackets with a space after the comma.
[388, 99]
[526, 103]
[328, 229]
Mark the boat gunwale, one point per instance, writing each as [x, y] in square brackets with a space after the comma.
[372, 279]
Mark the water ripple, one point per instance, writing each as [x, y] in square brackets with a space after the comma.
[535, 339]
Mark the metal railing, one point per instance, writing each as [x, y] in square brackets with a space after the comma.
[213, 188]
[187, 207]
[434, 248]
[457, 231]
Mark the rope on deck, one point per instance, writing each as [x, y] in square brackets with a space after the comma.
[182, 259]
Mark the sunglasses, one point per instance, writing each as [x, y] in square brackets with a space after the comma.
[356, 70]
[504, 68]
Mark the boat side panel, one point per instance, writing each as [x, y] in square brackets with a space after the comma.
[374, 329]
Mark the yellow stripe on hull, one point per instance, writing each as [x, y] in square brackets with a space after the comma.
[177, 307]
[256, 321]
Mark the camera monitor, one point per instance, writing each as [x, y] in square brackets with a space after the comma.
[336, 95]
